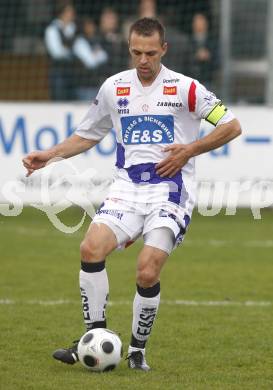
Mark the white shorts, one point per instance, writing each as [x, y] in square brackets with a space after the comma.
[130, 220]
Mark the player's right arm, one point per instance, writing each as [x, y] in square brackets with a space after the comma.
[68, 148]
[93, 128]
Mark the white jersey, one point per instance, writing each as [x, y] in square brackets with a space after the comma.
[145, 120]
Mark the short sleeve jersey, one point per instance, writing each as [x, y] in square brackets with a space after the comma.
[145, 120]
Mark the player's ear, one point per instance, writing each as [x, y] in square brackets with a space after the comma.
[129, 48]
[164, 48]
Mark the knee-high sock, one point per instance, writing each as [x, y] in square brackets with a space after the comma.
[145, 308]
[94, 289]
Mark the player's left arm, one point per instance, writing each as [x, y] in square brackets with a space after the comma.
[208, 107]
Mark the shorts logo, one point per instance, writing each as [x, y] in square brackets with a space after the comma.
[123, 91]
[147, 129]
[169, 90]
[115, 213]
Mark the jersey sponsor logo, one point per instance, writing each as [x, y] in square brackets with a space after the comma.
[169, 104]
[120, 81]
[166, 81]
[170, 90]
[123, 111]
[123, 91]
[123, 102]
[147, 129]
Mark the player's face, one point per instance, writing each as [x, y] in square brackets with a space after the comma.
[146, 55]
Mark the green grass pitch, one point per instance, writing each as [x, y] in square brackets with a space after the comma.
[215, 324]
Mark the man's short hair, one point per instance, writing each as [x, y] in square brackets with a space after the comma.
[147, 27]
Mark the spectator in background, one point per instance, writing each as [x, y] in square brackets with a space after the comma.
[147, 9]
[178, 56]
[109, 25]
[204, 51]
[89, 51]
[87, 47]
[59, 39]
[112, 42]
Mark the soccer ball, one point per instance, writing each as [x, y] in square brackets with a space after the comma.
[100, 350]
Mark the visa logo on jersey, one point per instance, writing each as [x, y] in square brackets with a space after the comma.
[147, 129]
[169, 90]
[123, 91]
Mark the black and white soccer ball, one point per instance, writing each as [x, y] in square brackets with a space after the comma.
[100, 350]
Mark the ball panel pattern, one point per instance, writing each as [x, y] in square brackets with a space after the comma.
[88, 337]
[107, 347]
[90, 361]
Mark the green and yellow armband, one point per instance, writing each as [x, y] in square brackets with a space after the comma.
[216, 114]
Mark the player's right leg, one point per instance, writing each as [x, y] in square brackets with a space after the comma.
[99, 241]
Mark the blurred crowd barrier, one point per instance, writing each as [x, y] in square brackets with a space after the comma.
[235, 175]
[63, 50]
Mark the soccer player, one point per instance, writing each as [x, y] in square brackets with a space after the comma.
[156, 114]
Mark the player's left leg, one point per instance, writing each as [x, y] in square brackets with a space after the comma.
[159, 243]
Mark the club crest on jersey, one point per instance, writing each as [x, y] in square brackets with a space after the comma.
[147, 129]
[123, 91]
[145, 108]
[169, 90]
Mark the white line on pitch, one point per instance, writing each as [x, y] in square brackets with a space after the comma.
[176, 302]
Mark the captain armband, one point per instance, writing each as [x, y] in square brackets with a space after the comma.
[216, 114]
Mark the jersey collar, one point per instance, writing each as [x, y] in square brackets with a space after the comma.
[154, 85]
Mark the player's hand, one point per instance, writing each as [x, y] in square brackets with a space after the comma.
[178, 157]
[35, 160]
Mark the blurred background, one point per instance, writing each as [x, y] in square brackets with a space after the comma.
[215, 326]
[54, 55]
[59, 50]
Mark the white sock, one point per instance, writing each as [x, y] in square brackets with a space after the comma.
[134, 349]
[94, 289]
[145, 308]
